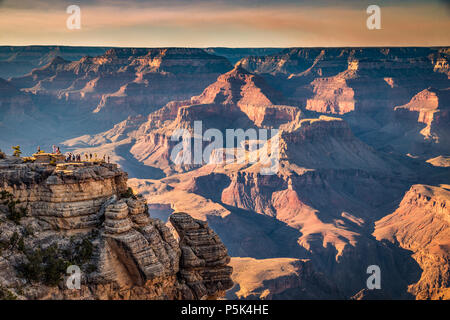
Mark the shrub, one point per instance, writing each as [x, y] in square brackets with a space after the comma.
[34, 268]
[45, 265]
[5, 294]
[91, 268]
[49, 265]
[128, 194]
[21, 245]
[5, 195]
[84, 252]
[28, 230]
[13, 241]
[14, 214]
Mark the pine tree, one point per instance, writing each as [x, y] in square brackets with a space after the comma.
[17, 151]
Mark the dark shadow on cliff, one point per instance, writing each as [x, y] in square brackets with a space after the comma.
[349, 271]
[249, 234]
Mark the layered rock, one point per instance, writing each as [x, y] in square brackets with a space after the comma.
[427, 114]
[66, 197]
[95, 92]
[421, 224]
[204, 258]
[126, 81]
[328, 142]
[121, 251]
[237, 99]
[363, 84]
[331, 95]
[18, 61]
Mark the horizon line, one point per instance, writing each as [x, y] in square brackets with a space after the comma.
[221, 47]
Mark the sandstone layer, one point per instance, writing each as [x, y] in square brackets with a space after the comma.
[421, 224]
[84, 214]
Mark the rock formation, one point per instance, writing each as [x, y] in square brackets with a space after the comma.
[364, 85]
[237, 99]
[421, 224]
[327, 210]
[105, 88]
[279, 278]
[423, 121]
[84, 214]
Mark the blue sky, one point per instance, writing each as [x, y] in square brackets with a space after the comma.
[232, 23]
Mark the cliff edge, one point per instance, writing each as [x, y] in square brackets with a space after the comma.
[84, 215]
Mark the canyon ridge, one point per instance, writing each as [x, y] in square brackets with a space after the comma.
[363, 175]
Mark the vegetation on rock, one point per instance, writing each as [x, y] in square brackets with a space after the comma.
[14, 214]
[5, 294]
[128, 194]
[17, 151]
[49, 265]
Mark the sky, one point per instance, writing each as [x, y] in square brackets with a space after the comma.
[225, 23]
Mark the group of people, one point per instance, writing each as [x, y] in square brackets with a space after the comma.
[71, 157]
[88, 157]
[55, 150]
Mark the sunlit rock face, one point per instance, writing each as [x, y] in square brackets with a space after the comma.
[421, 224]
[360, 130]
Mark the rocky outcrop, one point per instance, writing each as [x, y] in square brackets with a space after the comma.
[328, 142]
[83, 214]
[204, 258]
[421, 224]
[331, 95]
[279, 278]
[239, 87]
[67, 197]
[431, 108]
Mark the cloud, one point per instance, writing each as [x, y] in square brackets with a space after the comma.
[220, 23]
